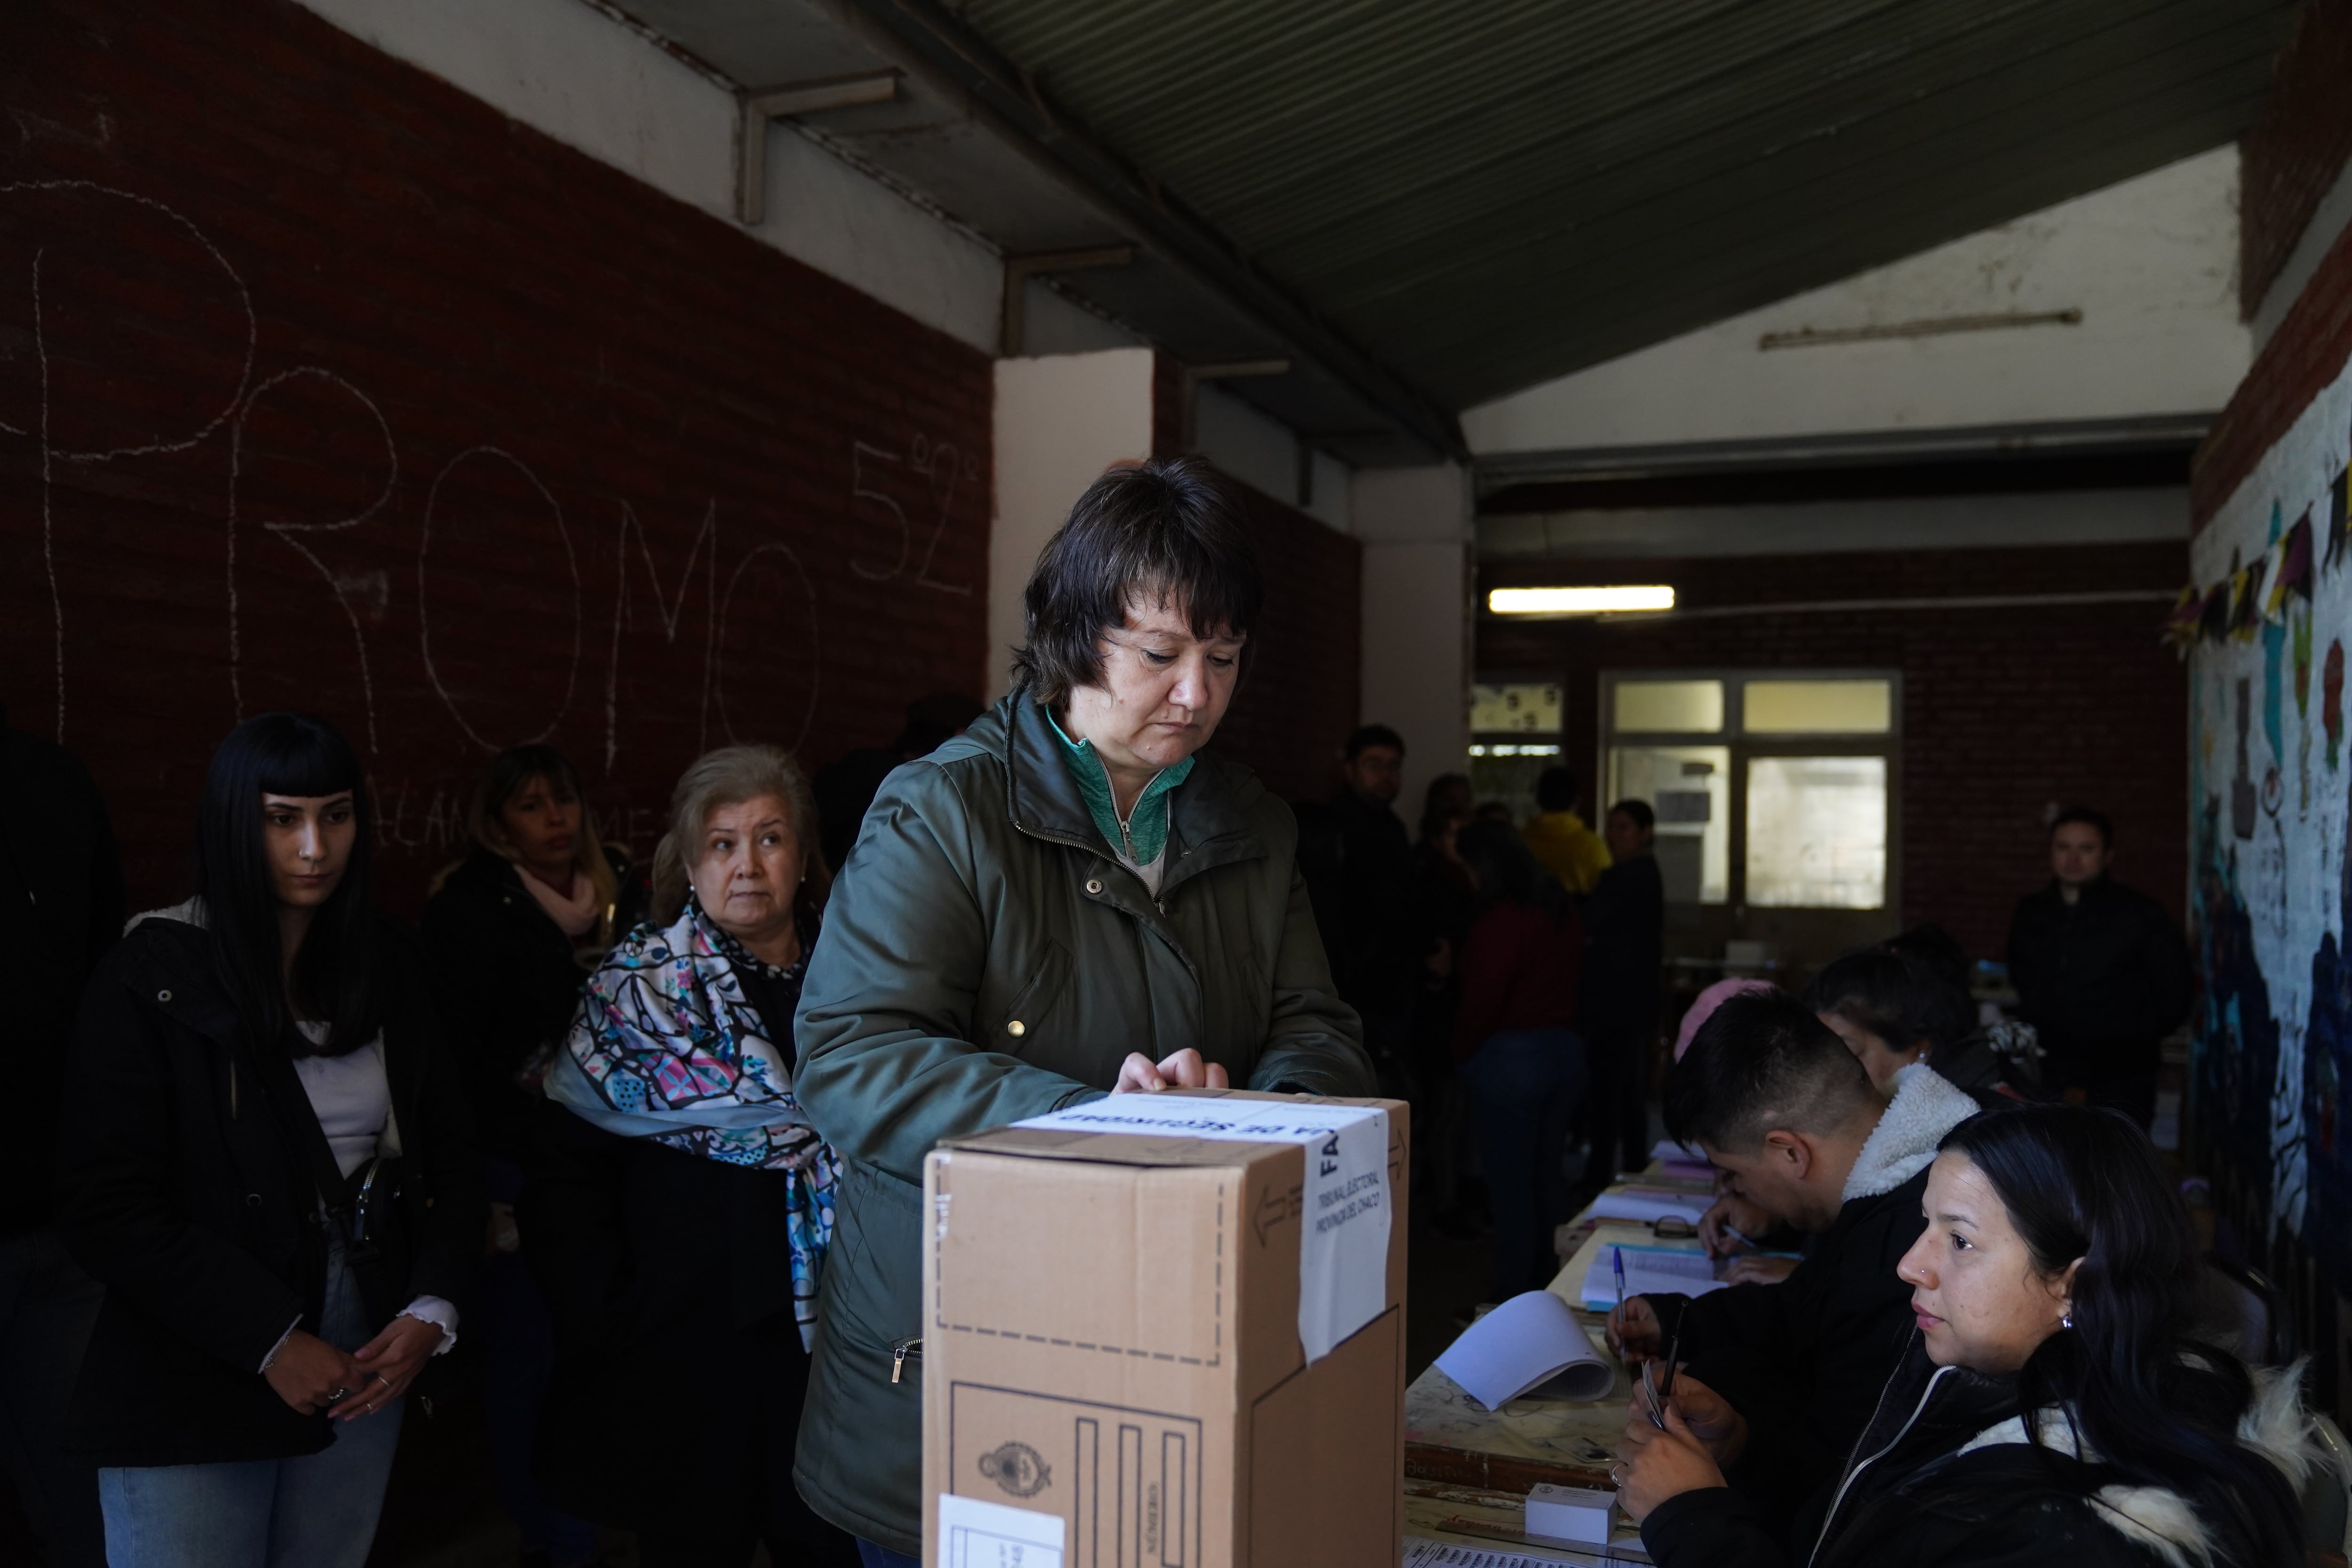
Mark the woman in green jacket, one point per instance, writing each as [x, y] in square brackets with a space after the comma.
[1065, 900]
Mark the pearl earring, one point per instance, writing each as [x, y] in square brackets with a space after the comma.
[2065, 1319]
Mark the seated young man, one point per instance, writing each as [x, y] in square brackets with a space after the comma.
[1779, 1101]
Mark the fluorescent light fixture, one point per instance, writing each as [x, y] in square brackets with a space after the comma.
[1580, 601]
[1511, 751]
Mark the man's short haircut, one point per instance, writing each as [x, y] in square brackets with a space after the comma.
[1556, 789]
[1369, 735]
[2088, 818]
[1638, 813]
[1763, 1063]
[1169, 531]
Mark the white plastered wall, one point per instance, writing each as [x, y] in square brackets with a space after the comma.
[1061, 420]
[2151, 263]
[1414, 526]
[582, 78]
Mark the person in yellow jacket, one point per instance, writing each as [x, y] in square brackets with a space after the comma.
[1567, 849]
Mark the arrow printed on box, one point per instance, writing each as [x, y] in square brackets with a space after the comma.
[1274, 1208]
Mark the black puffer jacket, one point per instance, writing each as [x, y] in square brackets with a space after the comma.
[1944, 1474]
[2103, 979]
[506, 983]
[189, 1185]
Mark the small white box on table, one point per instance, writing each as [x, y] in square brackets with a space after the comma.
[1565, 1514]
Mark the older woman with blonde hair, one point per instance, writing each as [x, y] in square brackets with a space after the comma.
[681, 1205]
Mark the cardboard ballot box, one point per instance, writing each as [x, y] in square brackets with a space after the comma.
[1116, 1367]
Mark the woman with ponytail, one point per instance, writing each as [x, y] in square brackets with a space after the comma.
[2052, 1407]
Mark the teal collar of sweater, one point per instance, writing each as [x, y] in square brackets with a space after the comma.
[1142, 839]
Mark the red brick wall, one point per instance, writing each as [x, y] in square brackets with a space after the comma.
[2297, 145]
[2004, 710]
[1304, 689]
[322, 385]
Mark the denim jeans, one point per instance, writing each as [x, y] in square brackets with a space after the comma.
[318, 1512]
[47, 1308]
[1523, 1087]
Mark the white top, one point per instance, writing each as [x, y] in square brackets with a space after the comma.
[351, 1097]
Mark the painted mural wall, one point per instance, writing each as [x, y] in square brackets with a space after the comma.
[2271, 790]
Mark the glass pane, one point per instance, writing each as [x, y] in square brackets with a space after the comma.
[1523, 707]
[1817, 832]
[1690, 789]
[1669, 707]
[1818, 707]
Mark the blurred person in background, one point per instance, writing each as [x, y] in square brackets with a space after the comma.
[1570, 851]
[1618, 1002]
[679, 1208]
[1363, 878]
[60, 910]
[2101, 972]
[267, 1161]
[846, 786]
[1515, 1047]
[514, 928]
[1445, 902]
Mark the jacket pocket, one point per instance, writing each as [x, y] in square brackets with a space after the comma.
[1017, 1027]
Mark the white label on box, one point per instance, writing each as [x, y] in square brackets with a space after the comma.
[1343, 1233]
[976, 1533]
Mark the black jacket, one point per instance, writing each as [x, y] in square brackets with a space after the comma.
[1805, 1360]
[1627, 916]
[1360, 878]
[1908, 1495]
[505, 983]
[61, 909]
[2103, 979]
[189, 1185]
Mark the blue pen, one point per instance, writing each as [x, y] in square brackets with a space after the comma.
[1617, 1257]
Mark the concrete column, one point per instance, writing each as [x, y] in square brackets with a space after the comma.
[1061, 420]
[1415, 528]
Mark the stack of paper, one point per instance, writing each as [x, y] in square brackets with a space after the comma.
[1649, 1271]
[1650, 1204]
[1530, 1339]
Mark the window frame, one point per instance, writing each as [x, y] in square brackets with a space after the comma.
[1779, 744]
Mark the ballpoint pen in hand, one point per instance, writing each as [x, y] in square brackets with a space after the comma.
[1617, 1257]
[1742, 1237]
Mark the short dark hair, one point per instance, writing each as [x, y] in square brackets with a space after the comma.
[2088, 818]
[337, 975]
[1762, 1061]
[1506, 871]
[1366, 736]
[1898, 998]
[1556, 789]
[1169, 529]
[1638, 813]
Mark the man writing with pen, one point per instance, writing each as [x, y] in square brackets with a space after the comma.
[1777, 1380]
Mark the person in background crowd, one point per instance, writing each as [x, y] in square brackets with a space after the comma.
[1618, 1003]
[1515, 1047]
[681, 1206]
[1777, 1102]
[266, 1159]
[1361, 879]
[60, 910]
[1070, 876]
[2053, 1407]
[1446, 901]
[846, 786]
[513, 930]
[1570, 851]
[1893, 1008]
[2101, 973]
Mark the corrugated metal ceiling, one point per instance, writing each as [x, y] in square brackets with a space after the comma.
[1489, 194]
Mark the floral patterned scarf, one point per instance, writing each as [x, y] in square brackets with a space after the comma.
[666, 1046]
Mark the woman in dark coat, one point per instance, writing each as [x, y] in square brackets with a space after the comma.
[265, 1159]
[681, 1205]
[514, 929]
[2052, 1409]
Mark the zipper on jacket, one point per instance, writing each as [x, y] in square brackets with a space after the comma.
[1845, 1486]
[899, 1351]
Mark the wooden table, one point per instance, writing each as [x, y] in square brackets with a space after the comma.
[1453, 1441]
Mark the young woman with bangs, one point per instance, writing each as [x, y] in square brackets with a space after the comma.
[266, 1161]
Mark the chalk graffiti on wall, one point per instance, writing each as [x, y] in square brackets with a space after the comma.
[2271, 800]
